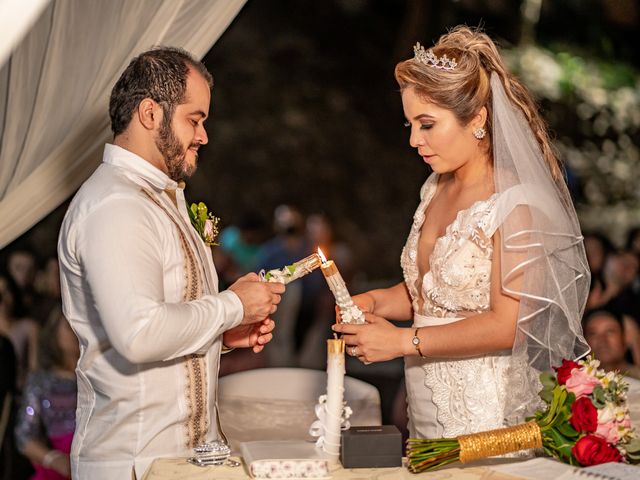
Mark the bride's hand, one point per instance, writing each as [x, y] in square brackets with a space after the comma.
[376, 341]
[365, 302]
[254, 336]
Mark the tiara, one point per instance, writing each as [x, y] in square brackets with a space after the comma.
[428, 58]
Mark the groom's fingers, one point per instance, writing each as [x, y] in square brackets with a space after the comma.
[249, 277]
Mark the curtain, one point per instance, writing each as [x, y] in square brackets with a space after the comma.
[54, 91]
[16, 18]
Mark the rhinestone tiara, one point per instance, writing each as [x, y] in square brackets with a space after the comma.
[427, 57]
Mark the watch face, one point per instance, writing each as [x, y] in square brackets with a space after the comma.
[415, 340]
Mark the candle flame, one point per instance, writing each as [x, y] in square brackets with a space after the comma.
[322, 257]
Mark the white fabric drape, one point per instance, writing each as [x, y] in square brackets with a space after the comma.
[54, 91]
[16, 18]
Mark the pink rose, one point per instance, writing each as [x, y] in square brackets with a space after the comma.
[581, 383]
[608, 431]
[209, 232]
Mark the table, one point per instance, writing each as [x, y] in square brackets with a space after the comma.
[178, 468]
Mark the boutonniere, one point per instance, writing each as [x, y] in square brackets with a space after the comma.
[205, 223]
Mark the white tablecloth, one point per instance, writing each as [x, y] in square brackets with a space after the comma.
[178, 468]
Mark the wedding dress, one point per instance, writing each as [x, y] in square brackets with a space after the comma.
[450, 397]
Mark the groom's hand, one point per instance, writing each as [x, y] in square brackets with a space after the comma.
[259, 299]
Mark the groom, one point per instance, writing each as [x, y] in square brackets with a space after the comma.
[139, 286]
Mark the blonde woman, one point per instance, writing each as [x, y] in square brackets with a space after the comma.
[495, 272]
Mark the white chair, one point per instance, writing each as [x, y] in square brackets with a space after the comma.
[279, 403]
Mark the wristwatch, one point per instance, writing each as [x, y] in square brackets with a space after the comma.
[416, 343]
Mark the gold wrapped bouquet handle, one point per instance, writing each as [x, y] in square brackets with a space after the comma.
[498, 442]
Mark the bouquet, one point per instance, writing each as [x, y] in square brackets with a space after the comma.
[585, 422]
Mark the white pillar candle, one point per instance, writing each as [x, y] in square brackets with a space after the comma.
[335, 397]
[349, 312]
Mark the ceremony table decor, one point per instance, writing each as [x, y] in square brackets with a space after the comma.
[332, 412]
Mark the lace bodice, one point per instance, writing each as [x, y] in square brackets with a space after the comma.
[460, 264]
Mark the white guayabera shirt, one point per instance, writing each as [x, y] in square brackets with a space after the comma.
[141, 292]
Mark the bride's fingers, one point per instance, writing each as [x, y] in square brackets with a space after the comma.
[346, 328]
[267, 326]
[350, 339]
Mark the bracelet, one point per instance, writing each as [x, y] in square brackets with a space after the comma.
[416, 343]
[50, 457]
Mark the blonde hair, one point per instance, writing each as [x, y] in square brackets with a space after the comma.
[466, 89]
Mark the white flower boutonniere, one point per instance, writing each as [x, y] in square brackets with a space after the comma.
[205, 223]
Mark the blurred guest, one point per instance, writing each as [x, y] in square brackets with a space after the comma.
[47, 285]
[242, 241]
[7, 375]
[22, 267]
[622, 294]
[46, 419]
[320, 232]
[23, 332]
[7, 393]
[633, 240]
[318, 313]
[239, 248]
[288, 246]
[618, 273]
[605, 333]
[597, 247]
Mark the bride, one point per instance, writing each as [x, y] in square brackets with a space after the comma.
[495, 273]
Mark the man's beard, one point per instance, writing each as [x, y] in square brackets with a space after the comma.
[175, 155]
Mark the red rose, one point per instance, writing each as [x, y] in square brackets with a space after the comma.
[564, 371]
[584, 416]
[593, 450]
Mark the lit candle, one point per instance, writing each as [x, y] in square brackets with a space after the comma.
[349, 312]
[335, 396]
[292, 272]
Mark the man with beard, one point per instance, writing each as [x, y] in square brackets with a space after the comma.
[138, 282]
